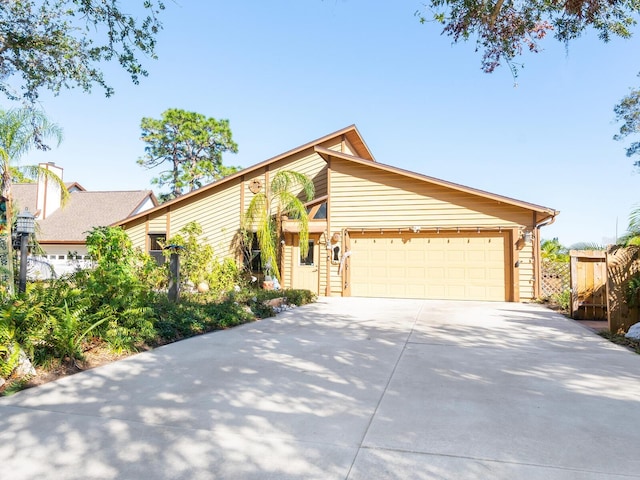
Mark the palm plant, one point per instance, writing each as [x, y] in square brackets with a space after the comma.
[632, 235]
[267, 208]
[21, 130]
[554, 251]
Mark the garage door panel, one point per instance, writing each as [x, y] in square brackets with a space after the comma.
[456, 267]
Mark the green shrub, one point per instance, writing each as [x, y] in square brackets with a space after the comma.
[633, 292]
[562, 299]
[224, 276]
[193, 315]
[119, 289]
[299, 297]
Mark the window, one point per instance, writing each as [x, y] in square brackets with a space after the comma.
[321, 214]
[318, 212]
[156, 240]
[308, 260]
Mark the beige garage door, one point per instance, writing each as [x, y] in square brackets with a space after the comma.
[459, 267]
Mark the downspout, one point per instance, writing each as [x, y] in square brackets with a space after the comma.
[538, 255]
[545, 224]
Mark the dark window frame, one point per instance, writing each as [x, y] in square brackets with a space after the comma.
[309, 260]
[157, 252]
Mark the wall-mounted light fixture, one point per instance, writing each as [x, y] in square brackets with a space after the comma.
[528, 238]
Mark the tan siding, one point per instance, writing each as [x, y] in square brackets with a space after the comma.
[288, 263]
[334, 144]
[366, 198]
[217, 213]
[248, 195]
[527, 273]
[335, 276]
[312, 165]
[348, 148]
[138, 237]
[322, 265]
[158, 223]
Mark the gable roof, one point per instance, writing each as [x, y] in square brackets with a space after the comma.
[86, 210]
[73, 186]
[545, 211]
[363, 156]
[350, 133]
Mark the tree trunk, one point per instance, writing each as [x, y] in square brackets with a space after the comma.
[6, 250]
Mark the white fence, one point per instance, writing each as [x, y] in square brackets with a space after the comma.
[46, 267]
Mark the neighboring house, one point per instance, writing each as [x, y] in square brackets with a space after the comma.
[62, 229]
[376, 230]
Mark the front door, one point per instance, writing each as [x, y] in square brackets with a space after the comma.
[307, 271]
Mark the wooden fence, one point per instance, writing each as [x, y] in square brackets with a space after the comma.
[589, 284]
[623, 265]
[600, 285]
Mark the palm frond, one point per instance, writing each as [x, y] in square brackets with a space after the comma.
[294, 208]
[587, 246]
[286, 180]
[265, 211]
[36, 171]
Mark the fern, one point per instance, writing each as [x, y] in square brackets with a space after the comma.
[9, 349]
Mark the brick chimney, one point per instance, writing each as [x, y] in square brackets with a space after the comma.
[49, 195]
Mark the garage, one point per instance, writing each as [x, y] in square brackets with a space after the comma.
[464, 266]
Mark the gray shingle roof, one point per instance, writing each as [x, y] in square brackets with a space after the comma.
[86, 210]
[24, 195]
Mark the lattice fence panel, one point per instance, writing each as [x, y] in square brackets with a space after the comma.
[556, 278]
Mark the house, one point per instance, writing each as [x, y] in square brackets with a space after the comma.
[375, 230]
[62, 229]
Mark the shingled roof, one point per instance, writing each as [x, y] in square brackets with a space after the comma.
[85, 210]
[24, 194]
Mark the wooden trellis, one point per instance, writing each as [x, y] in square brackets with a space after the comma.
[556, 278]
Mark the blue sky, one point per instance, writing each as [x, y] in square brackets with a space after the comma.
[285, 72]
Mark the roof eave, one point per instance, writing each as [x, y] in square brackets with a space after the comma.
[549, 212]
[247, 171]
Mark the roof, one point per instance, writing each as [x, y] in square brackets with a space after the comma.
[350, 133]
[363, 156]
[72, 186]
[549, 212]
[85, 210]
[24, 194]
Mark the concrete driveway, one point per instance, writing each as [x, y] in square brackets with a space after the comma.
[346, 388]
